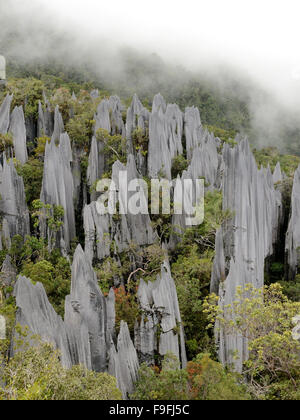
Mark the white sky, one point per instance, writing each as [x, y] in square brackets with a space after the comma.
[260, 36]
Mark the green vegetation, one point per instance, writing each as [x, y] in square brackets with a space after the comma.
[32, 259]
[32, 173]
[179, 164]
[171, 383]
[203, 379]
[81, 126]
[272, 371]
[6, 142]
[271, 155]
[36, 374]
[140, 139]
[114, 148]
[26, 92]
[264, 318]
[226, 136]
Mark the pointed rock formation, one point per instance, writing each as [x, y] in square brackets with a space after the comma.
[123, 363]
[192, 128]
[123, 229]
[36, 313]
[116, 109]
[58, 188]
[137, 117]
[292, 242]
[86, 316]
[5, 114]
[247, 239]
[45, 125]
[13, 203]
[160, 312]
[59, 127]
[8, 273]
[2, 328]
[102, 117]
[165, 137]
[86, 336]
[96, 165]
[18, 130]
[277, 174]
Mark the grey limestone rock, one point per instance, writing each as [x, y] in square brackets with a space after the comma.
[292, 243]
[192, 128]
[87, 334]
[124, 229]
[160, 309]
[102, 116]
[36, 313]
[165, 137]
[96, 165]
[123, 362]
[2, 328]
[86, 316]
[8, 272]
[45, 124]
[12, 202]
[137, 117]
[247, 238]
[5, 114]
[18, 130]
[58, 188]
[58, 125]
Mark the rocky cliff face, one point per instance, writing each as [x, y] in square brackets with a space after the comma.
[86, 336]
[87, 333]
[13, 208]
[58, 190]
[247, 239]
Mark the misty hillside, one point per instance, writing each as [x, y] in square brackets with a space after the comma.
[128, 297]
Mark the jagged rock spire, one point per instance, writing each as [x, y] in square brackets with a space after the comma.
[5, 114]
[160, 311]
[58, 125]
[12, 202]
[165, 137]
[292, 243]
[58, 187]
[87, 335]
[45, 119]
[18, 129]
[36, 313]
[101, 230]
[192, 128]
[245, 240]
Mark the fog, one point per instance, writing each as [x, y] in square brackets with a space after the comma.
[256, 39]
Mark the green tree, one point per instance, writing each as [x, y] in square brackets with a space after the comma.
[264, 318]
